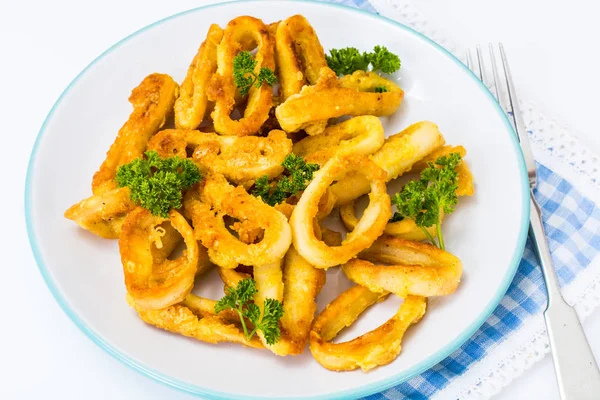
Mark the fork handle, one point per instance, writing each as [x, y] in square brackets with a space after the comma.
[576, 369]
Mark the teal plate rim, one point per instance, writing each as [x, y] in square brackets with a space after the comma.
[364, 390]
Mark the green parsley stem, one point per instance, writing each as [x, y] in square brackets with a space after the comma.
[242, 319]
[431, 238]
[438, 228]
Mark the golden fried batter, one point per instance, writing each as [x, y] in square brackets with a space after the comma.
[102, 214]
[368, 229]
[240, 34]
[404, 268]
[180, 319]
[217, 198]
[377, 347]
[191, 105]
[241, 160]
[328, 99]
[152, 104]
[397, 155]
[157, 285]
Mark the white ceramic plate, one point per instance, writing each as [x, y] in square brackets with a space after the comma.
[84, 272]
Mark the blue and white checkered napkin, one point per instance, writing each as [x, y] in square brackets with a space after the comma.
[515, 330]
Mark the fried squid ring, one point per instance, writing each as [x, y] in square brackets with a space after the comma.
[297, 287]
[300, 55]
[377, 347]
[327, 99]
[368, 229]
[217, 198]
[156, 285]
[241, 160]
[405, 229]
[201, 325]
[190, 107]
[152, 104]
[411, 268]
[241, 34]
[362, 135]
[397, 155]
[102, 214]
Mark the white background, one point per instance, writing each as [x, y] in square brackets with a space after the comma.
[44, 44]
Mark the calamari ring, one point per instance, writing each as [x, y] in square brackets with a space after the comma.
[216, 198]
[152, 104]
[369, 228]
[184, 319]
[363, 135]
[102, 214]
[328, 99]
[411, 268]
[241, 160]
[377, 347]
[190, 107]
[156, 285]
[405, 229]
[299, 54]
[240, 34]
[397, 155]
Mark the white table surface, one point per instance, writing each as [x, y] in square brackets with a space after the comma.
[44, 44]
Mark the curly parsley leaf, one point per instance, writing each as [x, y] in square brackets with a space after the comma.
[240, 298]
[300, 173]
[383, 60]
[435, 191]
[157, 183]
[380, 89]
[244, 75]
[347, 60]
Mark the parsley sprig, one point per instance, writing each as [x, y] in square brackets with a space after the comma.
[244, 75]
[300, 174]
[157, 183]
[240, 299]
[347, 60]
[433, 193]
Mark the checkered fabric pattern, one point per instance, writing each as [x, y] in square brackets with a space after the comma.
[572, 224]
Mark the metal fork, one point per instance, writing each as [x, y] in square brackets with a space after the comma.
[576, 370]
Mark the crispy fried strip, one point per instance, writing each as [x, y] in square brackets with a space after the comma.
[240, 159]
[377, 347]
[180, 319]
[156, 285]
[152, 104]
[215, 199]
[328, 99]
[396, 156]
[301, 284]
[300, 55]
[411, 268]
[102, 214]
[368, 229]
[363, 135]
[191, 104]
[240, 34]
